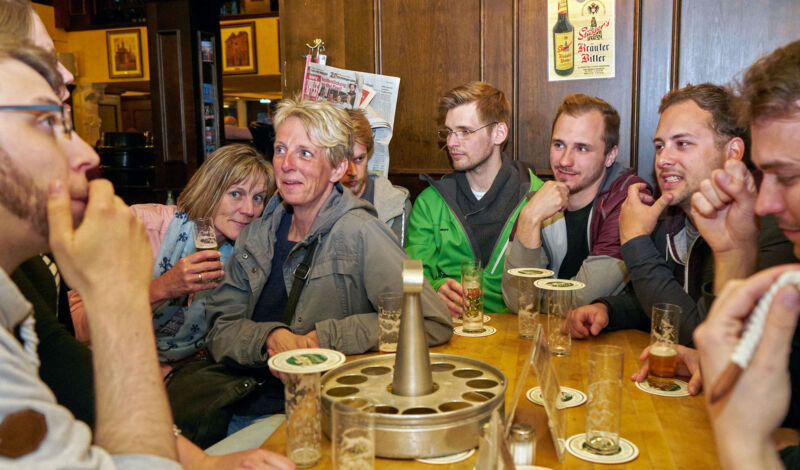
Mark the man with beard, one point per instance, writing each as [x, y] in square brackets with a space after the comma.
[468, 214]
[571, 225]
[391, 202]
[697, 134]
[86, 227]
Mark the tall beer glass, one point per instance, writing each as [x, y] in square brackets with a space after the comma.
[472, 284]
[663, 352]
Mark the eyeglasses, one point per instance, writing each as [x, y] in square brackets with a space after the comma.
[461, 134]
[63, 118]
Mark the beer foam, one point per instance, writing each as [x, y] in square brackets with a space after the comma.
[663, 350]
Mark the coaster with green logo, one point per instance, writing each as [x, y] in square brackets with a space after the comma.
[306, 361]
[559, 284]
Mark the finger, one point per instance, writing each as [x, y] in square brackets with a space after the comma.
[702, 207]
[641, 374]
[578, 330]
[773, 350]
[646, 198]
[59, 216]
[695, 383]
[633, 193]
[662, 202]
[645, 355]
[204, 255]
[597, 326]
[714, 194]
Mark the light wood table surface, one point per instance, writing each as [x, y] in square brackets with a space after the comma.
[671, 433]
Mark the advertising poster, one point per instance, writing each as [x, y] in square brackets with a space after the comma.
[580, 38]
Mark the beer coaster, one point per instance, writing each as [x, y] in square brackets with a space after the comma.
[452, 458]
[487, 331]
[558, 284]
[680, 389]
[306, 361]
[570, 397]
[486, 319]
[576, 445]
[534, 273]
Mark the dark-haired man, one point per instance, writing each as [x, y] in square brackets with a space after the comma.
[727, 211]
[570, 224]
[469, 213]
[696, 134]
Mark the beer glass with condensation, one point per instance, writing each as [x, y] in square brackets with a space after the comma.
[604, 403]
[472, 286]
[205, 237]
[663, 350]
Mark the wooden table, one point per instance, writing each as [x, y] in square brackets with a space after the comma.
[669, 432]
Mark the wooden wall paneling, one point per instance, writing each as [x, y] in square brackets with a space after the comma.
[137, 113]
[657, 28]
[499, 29]
[172, 142]
[718, 40]
[432, 47]
[359, 36]
[538, 98]
[301, 22]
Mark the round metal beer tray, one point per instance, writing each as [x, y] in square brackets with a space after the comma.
[444, 422]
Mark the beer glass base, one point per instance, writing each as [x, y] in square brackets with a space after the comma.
[559, 353]
[602, 444]
[305, 457]
[388, 348]
[661, 383]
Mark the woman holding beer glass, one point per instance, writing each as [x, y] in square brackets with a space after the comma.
[352, 257]
[229, 191]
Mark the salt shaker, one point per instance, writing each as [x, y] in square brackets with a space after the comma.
[522, 444]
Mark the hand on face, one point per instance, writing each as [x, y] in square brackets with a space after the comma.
[688, 366]
[108, 252]
[587, 320]
[551, 198]
[636, 217]
[723, 210]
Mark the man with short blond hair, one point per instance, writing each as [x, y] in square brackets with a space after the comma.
[468, 214]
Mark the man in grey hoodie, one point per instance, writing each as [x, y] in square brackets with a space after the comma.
[392, 202]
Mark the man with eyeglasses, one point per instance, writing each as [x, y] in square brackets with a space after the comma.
[571, 225]
[36, 151]
[468, 214]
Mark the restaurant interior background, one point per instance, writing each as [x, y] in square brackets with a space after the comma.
[432, 45]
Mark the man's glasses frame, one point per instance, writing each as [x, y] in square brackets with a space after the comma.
[64, 112]
[461, 134]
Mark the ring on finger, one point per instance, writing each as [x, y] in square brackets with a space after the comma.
[200, 276]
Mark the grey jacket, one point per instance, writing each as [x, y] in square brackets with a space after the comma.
[356, 260]
[393, 205]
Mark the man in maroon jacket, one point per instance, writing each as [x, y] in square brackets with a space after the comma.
[571, 224]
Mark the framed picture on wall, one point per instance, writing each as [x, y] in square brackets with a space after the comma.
[238, 48]
[124, 53]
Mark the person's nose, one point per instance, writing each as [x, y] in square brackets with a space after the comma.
[567, 158]
[352, 171]
[248, 207]
[664, 158]
[770, 199]
[82, 157]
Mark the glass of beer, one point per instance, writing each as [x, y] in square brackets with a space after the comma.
[205, 237]
[472, 285]
[663, 352]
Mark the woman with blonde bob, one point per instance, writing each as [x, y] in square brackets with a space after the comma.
[351, 257]
[229, 189]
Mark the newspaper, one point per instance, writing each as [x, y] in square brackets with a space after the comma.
[375, 94]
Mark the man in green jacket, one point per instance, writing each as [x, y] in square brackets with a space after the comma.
[468, 214]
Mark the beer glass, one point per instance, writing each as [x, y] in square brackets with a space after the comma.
[303, 424]
[663, 353]
[557, 304]
[390, 307]
[205, 237]
[472, 285]
[352, 436]
[604, 404]
[529, 299]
